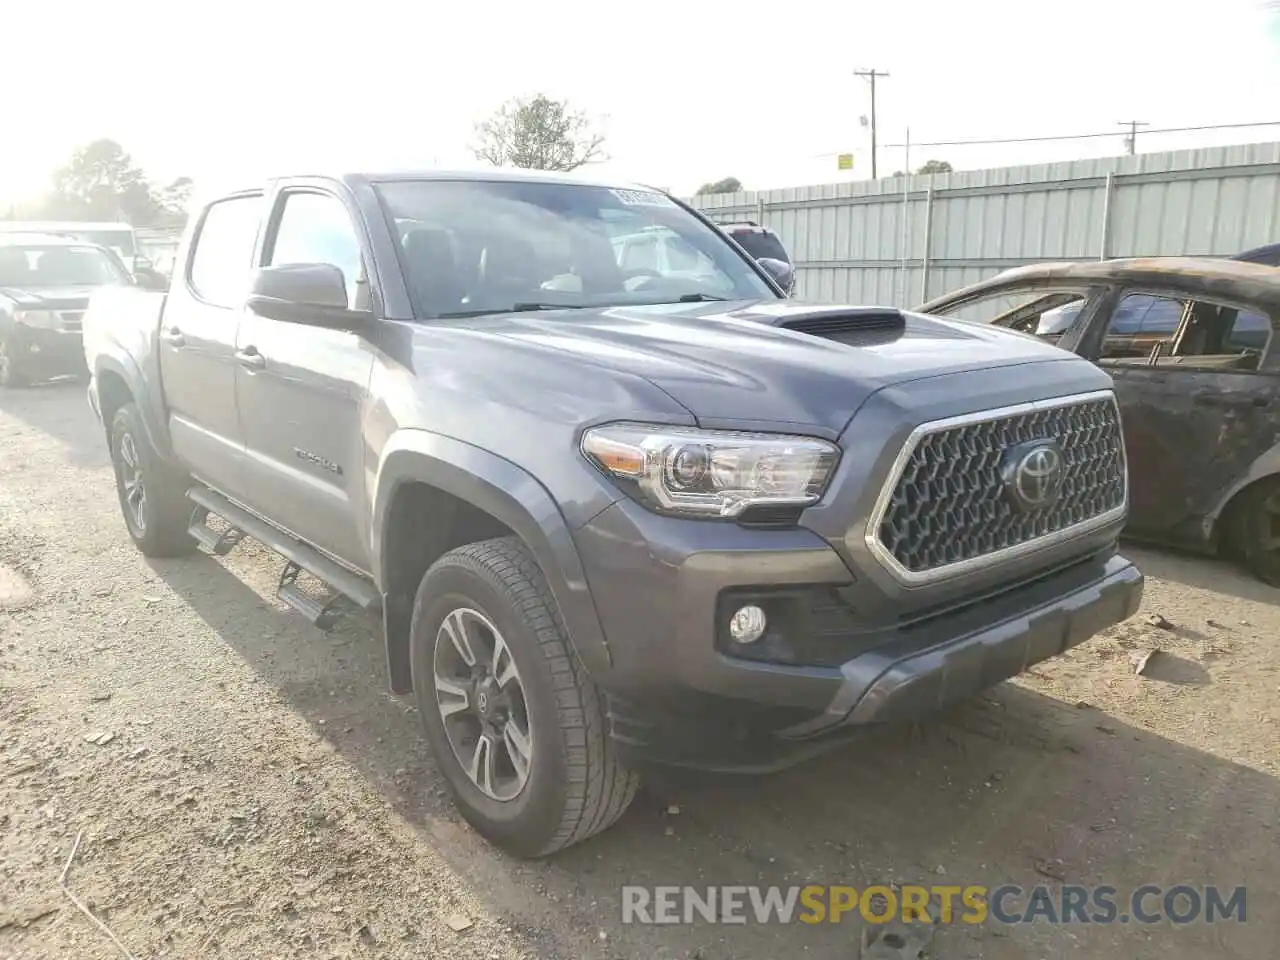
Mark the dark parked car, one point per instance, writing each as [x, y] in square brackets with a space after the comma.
[45, 283]
[1191, 346]
[763, 244]
[610, 516]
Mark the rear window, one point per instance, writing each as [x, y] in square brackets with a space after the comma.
[760, 244]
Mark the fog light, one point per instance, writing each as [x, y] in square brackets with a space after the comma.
[747, 624]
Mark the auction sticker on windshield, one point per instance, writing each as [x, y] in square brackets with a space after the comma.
[642, 198]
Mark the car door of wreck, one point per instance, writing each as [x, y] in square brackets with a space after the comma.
[1197, 379]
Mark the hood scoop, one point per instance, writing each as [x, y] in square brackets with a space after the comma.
[834, 324]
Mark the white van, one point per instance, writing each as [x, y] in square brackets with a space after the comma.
[115, 236]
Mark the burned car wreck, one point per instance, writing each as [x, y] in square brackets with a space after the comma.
[1190, 345]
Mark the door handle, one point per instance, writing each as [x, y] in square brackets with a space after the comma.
[251, 358]
[174, 338]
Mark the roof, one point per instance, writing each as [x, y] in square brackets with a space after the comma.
[489, 174]
[34, 239]
[40, 226]
[1190, 275]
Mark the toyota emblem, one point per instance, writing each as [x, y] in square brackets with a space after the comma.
[1034, 473]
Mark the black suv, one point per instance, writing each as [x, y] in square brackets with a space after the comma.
[763, 244]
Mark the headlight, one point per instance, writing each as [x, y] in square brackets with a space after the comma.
[711, 473]
[44, 319]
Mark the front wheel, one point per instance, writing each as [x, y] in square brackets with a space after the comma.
[1258, 531]
[516, 725]
[153, 496]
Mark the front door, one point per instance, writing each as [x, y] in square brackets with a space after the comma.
[301, 388]
[1197, 403]
[199, 324]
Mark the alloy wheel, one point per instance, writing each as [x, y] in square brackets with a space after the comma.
[482, 704]
[135, 492]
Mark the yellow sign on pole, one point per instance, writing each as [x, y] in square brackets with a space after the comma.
[844, 161]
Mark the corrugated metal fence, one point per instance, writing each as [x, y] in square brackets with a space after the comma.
[901, 241]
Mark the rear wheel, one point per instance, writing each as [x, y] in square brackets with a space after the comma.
[12, 370]
[516, 725]
[152, 494]
[1258, 530]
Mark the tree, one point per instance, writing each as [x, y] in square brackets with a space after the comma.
[933, 166]
[172, 202]
[538, 133]
[101, 182]
[727, 185]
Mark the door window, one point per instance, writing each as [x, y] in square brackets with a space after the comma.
[316, 228]
[1178, 332]
[223, 254]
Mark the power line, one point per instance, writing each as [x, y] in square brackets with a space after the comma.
[1076, 136]
[871, 75]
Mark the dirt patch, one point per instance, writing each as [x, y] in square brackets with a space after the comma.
[247, 788]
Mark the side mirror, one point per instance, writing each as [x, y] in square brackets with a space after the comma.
[783, 273]
[314, 294]
[149, 279]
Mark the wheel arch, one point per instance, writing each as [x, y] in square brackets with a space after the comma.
[118, 381]
[478, 495]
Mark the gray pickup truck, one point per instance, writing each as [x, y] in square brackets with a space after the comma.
[610, 517]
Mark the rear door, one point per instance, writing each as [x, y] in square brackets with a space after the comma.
[1195, 415]
[300, 388]
[198, 330]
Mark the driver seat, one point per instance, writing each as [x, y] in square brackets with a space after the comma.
[433, 270]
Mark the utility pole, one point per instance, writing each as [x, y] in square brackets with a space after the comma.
[871, 76]
[1131, 140]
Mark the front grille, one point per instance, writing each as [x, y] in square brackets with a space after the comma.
[71, 319]
[950, 503]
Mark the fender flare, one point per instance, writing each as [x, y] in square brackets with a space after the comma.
[1266, 464]
[126, 368]
[507, 492]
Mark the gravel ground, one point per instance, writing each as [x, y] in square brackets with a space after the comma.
[245, 786]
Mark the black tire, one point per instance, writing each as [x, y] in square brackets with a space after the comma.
[1257, 530]
[158, 522]
[576, 784]
[12, 373]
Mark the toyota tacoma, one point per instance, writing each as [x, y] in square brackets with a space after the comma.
[610, 517]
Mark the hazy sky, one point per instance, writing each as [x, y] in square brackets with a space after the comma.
[687, 91]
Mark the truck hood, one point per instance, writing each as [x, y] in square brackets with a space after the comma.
[735, 361]
[50, 298]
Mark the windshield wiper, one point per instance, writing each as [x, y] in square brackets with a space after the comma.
[535, 305]
[514, 308]
[697, 298]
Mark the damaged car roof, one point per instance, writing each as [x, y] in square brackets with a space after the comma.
[1196, 276]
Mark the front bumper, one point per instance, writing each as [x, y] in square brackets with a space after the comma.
[681, 694]
[46, 353]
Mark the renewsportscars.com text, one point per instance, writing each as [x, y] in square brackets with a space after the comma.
[1006, 904]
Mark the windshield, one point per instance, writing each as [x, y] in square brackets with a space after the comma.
[35, 267]
[472, 247]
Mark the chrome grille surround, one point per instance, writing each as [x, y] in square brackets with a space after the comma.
[921, 538]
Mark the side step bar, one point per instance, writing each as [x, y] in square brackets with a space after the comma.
[300, 556]
[218, 544]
